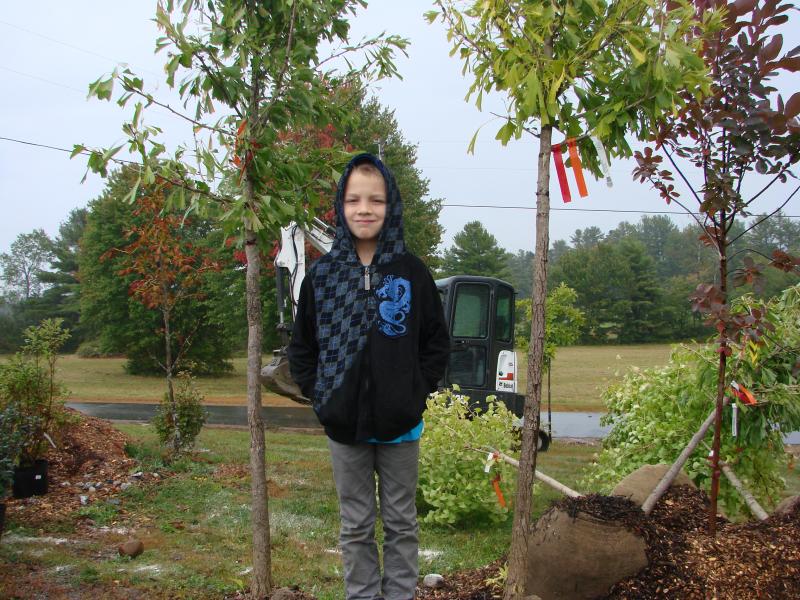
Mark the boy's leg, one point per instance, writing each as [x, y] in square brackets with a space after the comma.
[354, 474]
[397, 466]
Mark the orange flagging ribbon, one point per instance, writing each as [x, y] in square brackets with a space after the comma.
[575, 159]
[498, 491]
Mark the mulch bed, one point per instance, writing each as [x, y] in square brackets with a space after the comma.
[749, 560]
[89, 461]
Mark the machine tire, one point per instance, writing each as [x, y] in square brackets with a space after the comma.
[544, 441]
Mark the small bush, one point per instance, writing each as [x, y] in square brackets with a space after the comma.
[28, 383]
[453, 486]
[90, 349]
[15, 428]
[178, 429]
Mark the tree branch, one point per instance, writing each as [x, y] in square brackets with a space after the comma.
[764, 218]
[766, 187]
[152, 100]
[276, 90]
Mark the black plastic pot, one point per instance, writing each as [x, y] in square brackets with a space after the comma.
[30, 480]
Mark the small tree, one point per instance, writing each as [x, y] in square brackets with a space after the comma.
[608, 68]
[169, 272]
[261, 66]
[742, 127]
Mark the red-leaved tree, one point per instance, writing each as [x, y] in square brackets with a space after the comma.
[169, 269]
[744, 127]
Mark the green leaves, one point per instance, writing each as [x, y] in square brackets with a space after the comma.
[453, 486]
[608, 54]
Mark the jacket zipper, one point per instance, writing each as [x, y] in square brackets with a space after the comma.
[366, 278]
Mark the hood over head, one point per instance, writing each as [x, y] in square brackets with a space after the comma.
[390, 240]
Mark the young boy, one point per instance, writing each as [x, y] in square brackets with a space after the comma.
[369, 344]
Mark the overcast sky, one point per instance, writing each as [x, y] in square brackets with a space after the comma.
[51, 50]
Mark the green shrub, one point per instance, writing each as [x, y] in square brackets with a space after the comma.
[15, 428]
[28, 383]
[178, 429]
[90, 349]
[655, 412]
[453, 486]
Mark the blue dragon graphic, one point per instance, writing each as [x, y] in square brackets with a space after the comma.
[395, 294]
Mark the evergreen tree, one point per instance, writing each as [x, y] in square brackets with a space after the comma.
[373, 128]
[521, 273]
[475, 252]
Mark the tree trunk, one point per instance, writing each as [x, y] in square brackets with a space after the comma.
[259, 512]
[173, 407]
[723, 348]
[518, 554]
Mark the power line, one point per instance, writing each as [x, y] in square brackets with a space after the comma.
[607, 210]
[68, 45]
[448, 204]
[42, 79]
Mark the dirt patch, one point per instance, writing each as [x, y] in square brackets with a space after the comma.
[89, 462]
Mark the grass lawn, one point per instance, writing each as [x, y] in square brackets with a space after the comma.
[196, 530]
[105, 380]
[579, 375]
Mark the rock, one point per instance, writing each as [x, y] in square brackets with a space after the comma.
[433, 581]
[125, 485]
[132, 548]
[156, 474]
[138, 474]
[92, 489]
[84, 500]
[113, 501]
[638, 485]
[283, 593]
[787, 505]
[581, 557]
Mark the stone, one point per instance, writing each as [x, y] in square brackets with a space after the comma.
[580, 558]
[433, 581]
[787, 505]
[638, 485]
[125, 485]
[283, 593]
[92, 489]
[138, 474]
[84, 500]
[113, 501]
[132, 548]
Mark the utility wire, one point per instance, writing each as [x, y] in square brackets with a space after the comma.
[68, 45]
[444, 205]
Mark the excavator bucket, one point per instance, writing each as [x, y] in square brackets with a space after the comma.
[276, 378]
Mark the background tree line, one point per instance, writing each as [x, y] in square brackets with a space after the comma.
[78, 277]
[632, 283]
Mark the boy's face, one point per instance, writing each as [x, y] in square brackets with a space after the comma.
[365, 205]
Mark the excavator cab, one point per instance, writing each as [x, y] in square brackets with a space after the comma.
[480, 317]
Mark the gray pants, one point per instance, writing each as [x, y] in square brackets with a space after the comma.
[354, 468]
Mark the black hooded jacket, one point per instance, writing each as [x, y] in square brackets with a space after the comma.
[369, 343]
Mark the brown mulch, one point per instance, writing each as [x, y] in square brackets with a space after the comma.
[89, 452]
[749, 560]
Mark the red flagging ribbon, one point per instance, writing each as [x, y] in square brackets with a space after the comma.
[562, 174]
[575, 159]
[498, 491]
